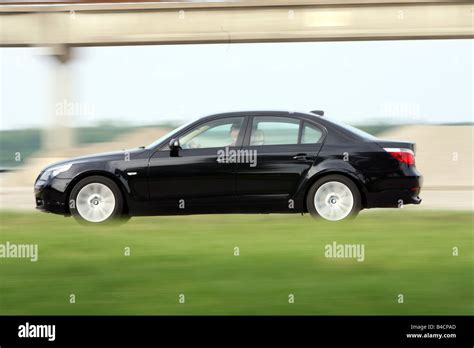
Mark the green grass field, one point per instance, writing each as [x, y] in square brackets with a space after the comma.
[407, 252]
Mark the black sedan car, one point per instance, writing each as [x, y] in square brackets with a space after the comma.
[241, 162]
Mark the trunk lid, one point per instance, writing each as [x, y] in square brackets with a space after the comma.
[397, 144]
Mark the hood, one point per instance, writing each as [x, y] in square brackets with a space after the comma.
[102, 156]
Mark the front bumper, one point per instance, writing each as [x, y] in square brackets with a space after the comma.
[51, 196]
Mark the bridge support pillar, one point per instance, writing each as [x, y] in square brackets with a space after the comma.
[58, 131]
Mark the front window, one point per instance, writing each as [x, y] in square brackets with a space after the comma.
[217, 133]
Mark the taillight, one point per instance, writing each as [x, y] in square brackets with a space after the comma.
[406, 156]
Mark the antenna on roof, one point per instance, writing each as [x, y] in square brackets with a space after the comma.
[318, 112]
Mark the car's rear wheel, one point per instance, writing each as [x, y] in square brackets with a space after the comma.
[334, 198]
[96, 200]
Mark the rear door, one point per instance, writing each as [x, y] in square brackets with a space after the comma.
[285, 148]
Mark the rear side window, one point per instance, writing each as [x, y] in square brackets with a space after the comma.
[311, 134]
[274, 131]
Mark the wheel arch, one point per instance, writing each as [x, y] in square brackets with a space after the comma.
[351, 176]
[105, 174]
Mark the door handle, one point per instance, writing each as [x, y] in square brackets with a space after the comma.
[303, 157]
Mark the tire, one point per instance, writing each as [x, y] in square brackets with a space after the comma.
[97, 200]
[334, 198]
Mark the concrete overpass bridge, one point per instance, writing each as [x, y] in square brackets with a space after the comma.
[86, 24]
[64, 25]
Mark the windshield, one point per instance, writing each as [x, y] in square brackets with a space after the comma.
[167, 135]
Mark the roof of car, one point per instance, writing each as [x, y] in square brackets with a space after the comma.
[265, 113]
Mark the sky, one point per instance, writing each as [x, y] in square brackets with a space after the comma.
[419, 81]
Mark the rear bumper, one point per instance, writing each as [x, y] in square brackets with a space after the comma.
[393, 198]
[394, 189]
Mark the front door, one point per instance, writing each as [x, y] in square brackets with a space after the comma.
[193, 179]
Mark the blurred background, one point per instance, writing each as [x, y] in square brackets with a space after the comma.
[82, 77]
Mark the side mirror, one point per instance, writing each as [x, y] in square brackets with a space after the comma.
[174, 144]
[174, 147]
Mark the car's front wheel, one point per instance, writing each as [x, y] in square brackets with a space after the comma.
[96, 200]
[334, 198]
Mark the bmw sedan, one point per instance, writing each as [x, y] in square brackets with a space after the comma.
[242, 162]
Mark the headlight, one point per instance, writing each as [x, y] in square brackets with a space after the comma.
[52, 172]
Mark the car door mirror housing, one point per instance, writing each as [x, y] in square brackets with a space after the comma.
[174, 144]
